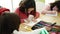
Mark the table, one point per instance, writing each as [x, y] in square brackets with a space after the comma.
[46, 18]
[52, 19]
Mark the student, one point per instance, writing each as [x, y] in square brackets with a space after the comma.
[2, 10]
[52, 8]
[56, 7]
[9, 22]
[26, 8]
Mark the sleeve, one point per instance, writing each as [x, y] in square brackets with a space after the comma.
[3, 10]
[46, 9]
[37, 15]
[17, 11]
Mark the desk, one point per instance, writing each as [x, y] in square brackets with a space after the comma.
[51, 19]
[25, 28]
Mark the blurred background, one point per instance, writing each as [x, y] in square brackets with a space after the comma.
[13, 4]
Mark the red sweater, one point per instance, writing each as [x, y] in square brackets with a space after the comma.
[23, 16]
[3, 10]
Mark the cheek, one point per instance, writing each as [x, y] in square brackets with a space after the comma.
[30, 9]
[55, 8]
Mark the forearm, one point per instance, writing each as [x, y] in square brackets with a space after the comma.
[48, 12]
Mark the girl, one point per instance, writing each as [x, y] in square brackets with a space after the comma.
[26, 8]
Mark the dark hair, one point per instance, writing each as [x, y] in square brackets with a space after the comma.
[56, 3]
[10, 23]
[26, 5]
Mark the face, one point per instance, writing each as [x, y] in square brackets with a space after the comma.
[55, 8]
[30, 9]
